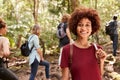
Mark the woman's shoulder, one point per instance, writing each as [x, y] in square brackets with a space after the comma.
[67, 46]
[4, 38]
[33, 36]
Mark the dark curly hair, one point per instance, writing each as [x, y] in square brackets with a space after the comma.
[81, 13]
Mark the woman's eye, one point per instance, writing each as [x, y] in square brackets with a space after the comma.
[88, 25]
[80, 25]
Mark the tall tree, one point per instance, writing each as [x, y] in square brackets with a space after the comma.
[35, 11]
[97, 37]
[95, 4]
[74, 3]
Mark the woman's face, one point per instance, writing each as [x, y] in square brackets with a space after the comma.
[4, 30]
[84, 28]
[38, 32]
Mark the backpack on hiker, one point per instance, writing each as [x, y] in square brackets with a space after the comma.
[25, 51]
[61, 33]
[110, 27]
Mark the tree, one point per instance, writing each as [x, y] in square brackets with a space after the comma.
[74, 3]
[35, 11]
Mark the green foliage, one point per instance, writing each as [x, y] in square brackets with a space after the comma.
[18, 15]
[59, 6]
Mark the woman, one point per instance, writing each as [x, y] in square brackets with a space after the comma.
[67, 38]
[5, 74]
[36, 56]
[83, 23]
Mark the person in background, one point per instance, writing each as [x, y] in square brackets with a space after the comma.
[114, 37]
[5, 73]
[36, 55]
[87, 60]
[67, 38]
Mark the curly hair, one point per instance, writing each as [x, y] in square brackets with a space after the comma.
[81, 13]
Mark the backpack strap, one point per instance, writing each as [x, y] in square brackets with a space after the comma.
[30, 38]
[70, 60]
[33, 44]
[70, 57]
[96, 48]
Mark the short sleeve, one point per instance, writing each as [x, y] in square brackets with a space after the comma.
[6, 46]
[65, 58]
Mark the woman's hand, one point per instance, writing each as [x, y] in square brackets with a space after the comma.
[101, 54]
[42, 59]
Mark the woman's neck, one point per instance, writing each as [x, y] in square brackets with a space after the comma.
[82, 43]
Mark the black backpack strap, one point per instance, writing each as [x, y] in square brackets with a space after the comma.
[30, 38]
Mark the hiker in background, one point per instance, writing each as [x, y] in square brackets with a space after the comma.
[36, 55]
[113, 33]
[81, 57]
[5, 73]
[63, 33]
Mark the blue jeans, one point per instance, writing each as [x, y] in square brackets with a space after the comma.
[34, 67]
[114, 38]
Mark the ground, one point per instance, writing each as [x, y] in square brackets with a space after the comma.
[19, 65]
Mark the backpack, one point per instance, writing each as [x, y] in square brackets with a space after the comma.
[61, 30]
[110, 27]
[25, 51]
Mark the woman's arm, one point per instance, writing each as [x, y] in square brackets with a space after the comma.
[69, 35]
[102, 67]
[65, 73]
[6, 47]
[40, 53]
[102, 56]
[37, 46]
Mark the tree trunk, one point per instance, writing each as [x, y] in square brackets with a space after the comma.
[19, 40]
[35, 11]
[97, 36]
[74, 3]
[69, 10]
[95, 4]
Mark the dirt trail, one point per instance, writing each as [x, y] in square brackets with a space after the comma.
[23, 71]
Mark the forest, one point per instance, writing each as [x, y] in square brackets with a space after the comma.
[21, 15]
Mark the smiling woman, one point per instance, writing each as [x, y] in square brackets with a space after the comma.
[83, 23]
[84, 28]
